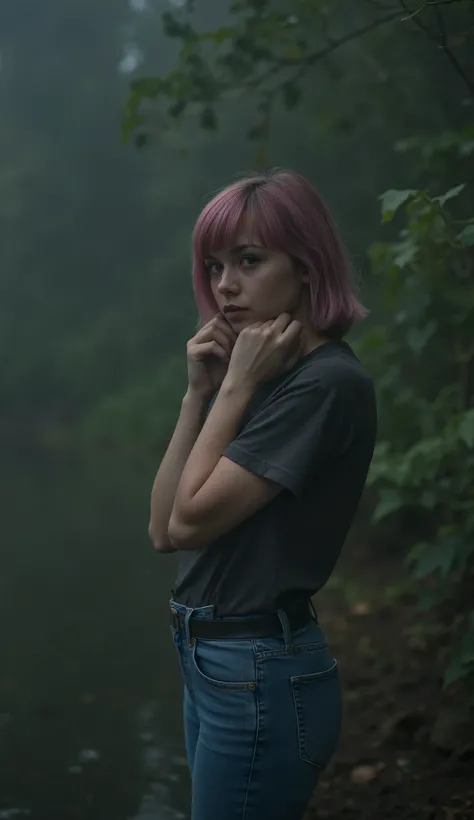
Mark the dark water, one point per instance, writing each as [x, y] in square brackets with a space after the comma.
[90, 695]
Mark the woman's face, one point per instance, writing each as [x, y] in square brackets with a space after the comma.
[264, 282]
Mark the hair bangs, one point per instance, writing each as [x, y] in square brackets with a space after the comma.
[218, 224]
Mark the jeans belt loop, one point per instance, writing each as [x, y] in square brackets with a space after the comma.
[286, 628]
[313, 611]
[190, 641]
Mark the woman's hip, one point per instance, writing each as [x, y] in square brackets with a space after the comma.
[271, 689]
[266, 715]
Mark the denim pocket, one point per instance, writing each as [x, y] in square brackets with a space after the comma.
[225, 664]
[317, 700]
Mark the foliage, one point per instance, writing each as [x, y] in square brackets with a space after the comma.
[268, 50]
[422, 357]
[95, 290]
[420, 351]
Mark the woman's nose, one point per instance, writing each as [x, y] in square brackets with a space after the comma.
[228, 280]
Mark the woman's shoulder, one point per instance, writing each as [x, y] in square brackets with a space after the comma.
[333, 366]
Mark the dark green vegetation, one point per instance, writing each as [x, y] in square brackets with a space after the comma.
[357, 72]
[365, 72]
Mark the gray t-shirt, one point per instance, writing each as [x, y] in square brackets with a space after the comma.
[312, 430]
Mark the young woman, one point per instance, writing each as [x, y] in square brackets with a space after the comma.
[257, 491]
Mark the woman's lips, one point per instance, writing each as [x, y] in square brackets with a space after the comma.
[234, 314]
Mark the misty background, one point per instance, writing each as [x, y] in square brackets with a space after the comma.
[96, 307]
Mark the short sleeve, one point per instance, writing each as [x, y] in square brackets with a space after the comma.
[290, 437]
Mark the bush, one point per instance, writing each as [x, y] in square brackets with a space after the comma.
[422, 358]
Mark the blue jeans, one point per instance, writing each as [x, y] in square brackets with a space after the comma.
[261, 720]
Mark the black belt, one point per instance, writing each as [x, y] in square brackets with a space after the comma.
[258, 626]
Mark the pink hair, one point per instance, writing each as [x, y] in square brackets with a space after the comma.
[285, 213]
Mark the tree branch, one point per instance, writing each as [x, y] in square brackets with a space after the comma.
[440, 38]
[311, 59]
[431, 3]
[449, 54]
[411, 15]
[296, 68]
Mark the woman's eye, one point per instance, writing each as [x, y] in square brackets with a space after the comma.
[213, 268]
[249, 260]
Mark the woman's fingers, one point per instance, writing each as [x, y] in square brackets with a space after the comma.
[290, 332]
[219, 330]
[202, 349]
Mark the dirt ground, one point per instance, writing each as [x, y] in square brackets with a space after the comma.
[407, 750]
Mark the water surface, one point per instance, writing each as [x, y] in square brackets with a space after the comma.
[90, 695]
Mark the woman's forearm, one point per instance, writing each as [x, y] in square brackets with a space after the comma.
[191, 419]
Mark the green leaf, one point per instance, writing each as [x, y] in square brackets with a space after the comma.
[177, 108]
[220, 35]
[373, 340]
[416, 552]
[141, 140]
[454, 672]
[431, 557]
[379, 254]
[429, 499]
[392, 200]
[432, 597]
[410, 144]
[417, 338]
[462, 659]
[405, 252]
[390, 502]
[208, 119]
[466, 237]
[292, 52]
[449, 194]
[466, 428]
[148, 87]
[174, 28]
[466, 148]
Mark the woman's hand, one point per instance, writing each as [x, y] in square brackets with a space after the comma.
[208, 355]
[264, 350]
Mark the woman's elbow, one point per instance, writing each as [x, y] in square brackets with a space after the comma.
[160, 543]
[181, 536]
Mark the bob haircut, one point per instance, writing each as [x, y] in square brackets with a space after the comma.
[282, 211]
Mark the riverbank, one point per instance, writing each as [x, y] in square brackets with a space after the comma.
[406, 749]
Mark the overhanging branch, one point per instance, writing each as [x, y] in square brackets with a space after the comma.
[311, 59]
[440, 38]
